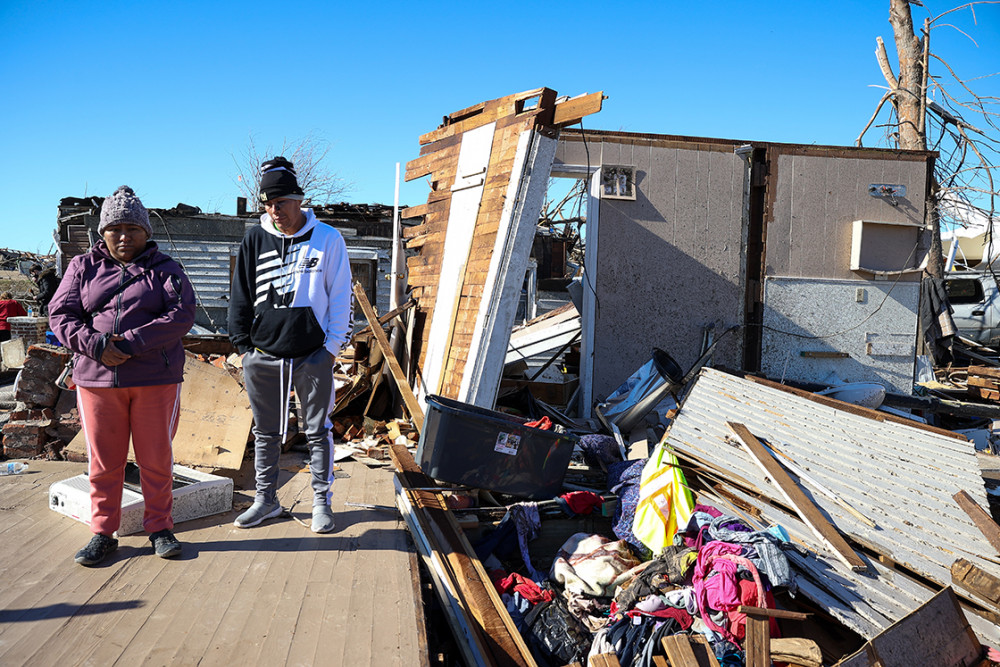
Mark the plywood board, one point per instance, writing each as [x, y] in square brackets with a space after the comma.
[214, 424]
[937, 633]
[215, 418]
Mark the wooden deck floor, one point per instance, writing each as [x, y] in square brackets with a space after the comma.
[276, 594]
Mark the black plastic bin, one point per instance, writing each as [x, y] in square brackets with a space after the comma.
[468, 445]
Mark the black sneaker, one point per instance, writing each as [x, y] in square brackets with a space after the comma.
[96, 550]
[165, 544]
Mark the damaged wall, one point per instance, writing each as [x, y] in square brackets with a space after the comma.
[820, 315]
[714, 222]
[488, 167]
[206, 244]
[670, 263]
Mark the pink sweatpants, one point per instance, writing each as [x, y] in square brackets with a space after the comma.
[109, 417]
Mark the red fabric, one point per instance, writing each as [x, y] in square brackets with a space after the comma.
[544, 423]
[582, 502]
[147, 415]
[518, 583]
[679, 615]
[10, 308]
[748, 598]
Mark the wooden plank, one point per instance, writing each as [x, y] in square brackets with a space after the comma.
[604, 660]
[679, 651]
[976, 580]
[571, 111]
[508, 645]
[807, 511]
[412, 406]
[773, 613]
[936, 633]
[796, 651]
[384, 319]
[214, 420]
[984, 522]
[988, 383]
[757, 643]
[984, 371]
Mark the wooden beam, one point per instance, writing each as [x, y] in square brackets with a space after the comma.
[571, 111]
[976, 580]
[773, 613]
[805, 508]
[412, 406]
[757, 643]
[388, 316]
[470, 579]
[679, 651]
[604, 660]
[984, 522]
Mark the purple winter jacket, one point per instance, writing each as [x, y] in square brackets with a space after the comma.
[153, 313]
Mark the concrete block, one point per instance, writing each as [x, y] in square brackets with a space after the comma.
[196, 494]
[23, 439]
[47, 360]
[36, 390]
[13, 353]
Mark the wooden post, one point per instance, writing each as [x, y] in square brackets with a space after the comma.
[757, 646]
[412, 406]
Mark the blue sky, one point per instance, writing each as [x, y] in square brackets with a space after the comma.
[162, 95]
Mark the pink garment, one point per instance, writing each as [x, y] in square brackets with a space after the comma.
[721, 591]
[109, 417]
[737, 621]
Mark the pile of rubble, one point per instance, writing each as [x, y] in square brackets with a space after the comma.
[44, 418]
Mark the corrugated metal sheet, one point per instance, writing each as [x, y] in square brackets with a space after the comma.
[207, 266]
[900, 476]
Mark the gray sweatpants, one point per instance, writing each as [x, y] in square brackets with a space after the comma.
[268, 380]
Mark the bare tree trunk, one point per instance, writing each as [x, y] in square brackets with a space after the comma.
[908, 100]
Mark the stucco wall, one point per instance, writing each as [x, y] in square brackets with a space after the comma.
[818, 195]
[669, 263]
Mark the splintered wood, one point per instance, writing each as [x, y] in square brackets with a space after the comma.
[476, 196]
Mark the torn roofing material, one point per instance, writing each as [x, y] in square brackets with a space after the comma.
[897, 474]
[488, 168]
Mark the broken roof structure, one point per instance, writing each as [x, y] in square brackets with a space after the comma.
[488, 167]
[885, 482]
[205, 244]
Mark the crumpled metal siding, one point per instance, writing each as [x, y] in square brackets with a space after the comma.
[207, 266]
[901, 477]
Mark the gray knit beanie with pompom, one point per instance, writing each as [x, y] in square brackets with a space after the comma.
[123, 207]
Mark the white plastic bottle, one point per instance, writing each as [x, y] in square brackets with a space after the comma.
[13, 468]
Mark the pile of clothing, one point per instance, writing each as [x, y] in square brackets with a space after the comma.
[687, 569]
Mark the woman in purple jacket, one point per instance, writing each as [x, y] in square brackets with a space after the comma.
[123, 308]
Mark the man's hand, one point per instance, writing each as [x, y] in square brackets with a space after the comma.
[112, 356]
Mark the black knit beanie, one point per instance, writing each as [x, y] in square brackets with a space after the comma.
[277, 180]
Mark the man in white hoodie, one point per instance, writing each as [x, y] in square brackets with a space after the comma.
[289, 316]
